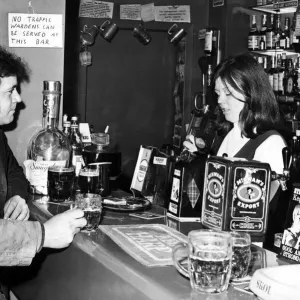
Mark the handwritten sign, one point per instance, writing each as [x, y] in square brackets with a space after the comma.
[96, 9]
[35, 30]
[130, 12]
[179, 13]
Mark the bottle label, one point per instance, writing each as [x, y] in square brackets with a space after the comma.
[252, 42]
[269, 40]
[36, 172]
[77, 163]
[159, 160]
[271, 79]
[289, 85]
[275, 82]
[280, 81]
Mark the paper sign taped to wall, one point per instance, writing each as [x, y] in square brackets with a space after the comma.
[35, 30]
[148, 12]
[96, 9]
[176, 13]
[130, 11]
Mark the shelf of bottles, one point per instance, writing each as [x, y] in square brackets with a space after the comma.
[274, 41]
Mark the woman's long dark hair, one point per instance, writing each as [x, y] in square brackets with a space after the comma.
[245, 75]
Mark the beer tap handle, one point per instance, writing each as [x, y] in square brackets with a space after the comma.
[286, 156]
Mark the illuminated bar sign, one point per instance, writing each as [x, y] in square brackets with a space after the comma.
[35, 30]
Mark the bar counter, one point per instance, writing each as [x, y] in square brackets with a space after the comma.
[95, 267]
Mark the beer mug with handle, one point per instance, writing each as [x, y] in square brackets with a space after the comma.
[208, 254]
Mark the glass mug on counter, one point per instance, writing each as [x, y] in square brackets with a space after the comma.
[209, 256]
[91, 204]
[241, 256]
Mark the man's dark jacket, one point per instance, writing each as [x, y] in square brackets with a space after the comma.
[12, 178]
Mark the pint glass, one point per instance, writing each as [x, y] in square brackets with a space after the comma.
[88, 180]
[60, 183]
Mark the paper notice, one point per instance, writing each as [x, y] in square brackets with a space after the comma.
[180, 13]
[35, 30]
[130, 12]
[148, 12]
[96, 9]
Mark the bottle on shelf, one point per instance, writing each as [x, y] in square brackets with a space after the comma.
[67, 128]
[271, 72]
[270, 34]
[289, 84]
[253, 35]
[277, 74]
[76, 148]
[263, 33]
[277, 33]
[49, 146]
[285, 35]
[75, 120]
[65, 119]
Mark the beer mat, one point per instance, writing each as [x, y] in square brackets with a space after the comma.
[126, 204]
[146, 215]
[150, 244]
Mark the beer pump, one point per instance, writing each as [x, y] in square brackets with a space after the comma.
[187, 178]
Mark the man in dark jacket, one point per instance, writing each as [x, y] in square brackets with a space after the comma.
[20, 239]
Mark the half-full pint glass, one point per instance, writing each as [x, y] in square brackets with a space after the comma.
[241, 256]
[60, 183]
[88, 180]
[91, 204]
[209, 256]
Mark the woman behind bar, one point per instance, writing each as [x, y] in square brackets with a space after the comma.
[248, 114]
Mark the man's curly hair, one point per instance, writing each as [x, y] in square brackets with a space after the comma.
[13, 65]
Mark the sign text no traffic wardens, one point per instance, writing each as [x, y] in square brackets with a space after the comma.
[35, 30]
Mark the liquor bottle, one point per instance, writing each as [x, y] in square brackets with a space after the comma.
[67, 128]
[211, 41]
[263, 33]
[74, 120]
[270, 33]
[253, 35]
[289, 84]
[285, 35]
[271, 71]
[277, 33]
[76, 146]
[265, 64]
[49, 146]
[276, 75]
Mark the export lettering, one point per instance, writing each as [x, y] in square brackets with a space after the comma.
[245, 205]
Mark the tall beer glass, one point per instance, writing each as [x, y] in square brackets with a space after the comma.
[88, 180]
[60, 183]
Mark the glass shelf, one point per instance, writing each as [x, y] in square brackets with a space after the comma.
[273, 52]
[282, 7]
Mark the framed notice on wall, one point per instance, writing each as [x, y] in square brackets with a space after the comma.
[35, 30]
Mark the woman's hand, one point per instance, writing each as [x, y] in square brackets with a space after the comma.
[190, 144]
